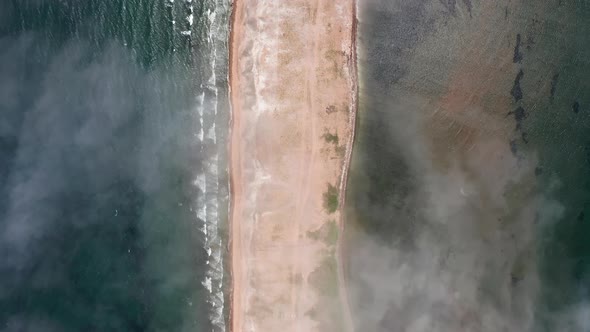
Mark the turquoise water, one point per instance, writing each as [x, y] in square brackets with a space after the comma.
[409, 53]
[113, 120]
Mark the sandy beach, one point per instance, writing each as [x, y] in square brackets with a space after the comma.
[293, 96]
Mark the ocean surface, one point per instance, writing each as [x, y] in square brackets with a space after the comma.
[113, 173]
[410, 52]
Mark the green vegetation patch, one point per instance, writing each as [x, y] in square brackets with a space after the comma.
[341, 151]
[331, 138]
[331, 199]
[328, 233]
[331, 109]
[325, 277]
[328, 310]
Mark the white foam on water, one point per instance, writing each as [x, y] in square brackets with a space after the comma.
[200, 100]
[206, 107]
[211, 15]
[200, 106]
[207, 284]
[211, 133]
[208, 181]
[190, 17]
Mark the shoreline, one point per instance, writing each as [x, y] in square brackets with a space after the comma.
[231, 175]
[340, 245]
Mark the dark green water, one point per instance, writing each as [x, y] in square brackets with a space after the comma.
[560, 129]
[99, 150]
[386, 199]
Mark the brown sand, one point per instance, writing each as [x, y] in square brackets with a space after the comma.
[293, 90]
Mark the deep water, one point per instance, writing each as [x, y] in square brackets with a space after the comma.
[99, 151]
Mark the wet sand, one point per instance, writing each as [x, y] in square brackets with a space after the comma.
[293, 95]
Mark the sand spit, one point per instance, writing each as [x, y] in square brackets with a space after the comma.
[293, 94]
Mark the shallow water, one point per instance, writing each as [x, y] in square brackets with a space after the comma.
[113, 179]
[444, 264]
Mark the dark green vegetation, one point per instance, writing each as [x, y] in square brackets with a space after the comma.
[327, 233]
[331, 138]
[331, 199]
[325, 277]
[328, 311]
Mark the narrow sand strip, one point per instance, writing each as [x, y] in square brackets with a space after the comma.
[293, 94]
